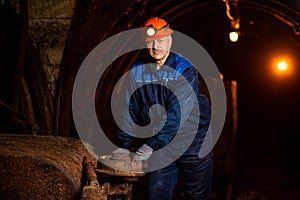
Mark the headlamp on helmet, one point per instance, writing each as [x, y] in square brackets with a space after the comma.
[151, 30]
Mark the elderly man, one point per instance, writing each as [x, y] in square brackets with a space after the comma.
[176, 132]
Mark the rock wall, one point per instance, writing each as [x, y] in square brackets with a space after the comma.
[49, 23]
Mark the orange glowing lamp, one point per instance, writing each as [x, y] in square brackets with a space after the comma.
[282, 66]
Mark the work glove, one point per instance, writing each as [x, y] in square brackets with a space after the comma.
[143, 153]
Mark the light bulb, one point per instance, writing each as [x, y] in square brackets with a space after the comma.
[233, 36]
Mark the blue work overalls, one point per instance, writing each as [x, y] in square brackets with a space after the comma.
[178, 133]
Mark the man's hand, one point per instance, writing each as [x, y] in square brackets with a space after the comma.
[143, 153]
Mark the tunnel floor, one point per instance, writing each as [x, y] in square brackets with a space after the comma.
[267, 176]
[260, 176]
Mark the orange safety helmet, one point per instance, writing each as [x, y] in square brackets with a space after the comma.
[157, 28]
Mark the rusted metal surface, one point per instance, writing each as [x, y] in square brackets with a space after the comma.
[91, 192]
[115, 185]
[121, 165]
[107, 182]
[90, 172]
[41, 167]
[92, 189]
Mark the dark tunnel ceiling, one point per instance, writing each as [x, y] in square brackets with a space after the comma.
[203, 11]
[194, 11]
[206, 20]
[260, 19]
[197, 18]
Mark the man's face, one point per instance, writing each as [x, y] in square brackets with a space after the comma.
[159, 49]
